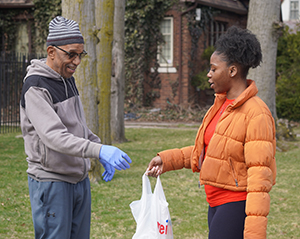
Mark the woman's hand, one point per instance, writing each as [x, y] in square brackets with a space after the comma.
[155, 167]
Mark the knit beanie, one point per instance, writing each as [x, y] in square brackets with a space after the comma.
[63, 31]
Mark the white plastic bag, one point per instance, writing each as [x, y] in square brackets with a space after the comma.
[151, 213]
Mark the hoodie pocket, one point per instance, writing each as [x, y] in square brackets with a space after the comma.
[233, 172]
[42, 152]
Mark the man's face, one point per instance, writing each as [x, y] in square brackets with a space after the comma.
[61, 61]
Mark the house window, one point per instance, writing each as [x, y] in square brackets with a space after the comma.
[216, 30]
[294, 10]
[165, 51]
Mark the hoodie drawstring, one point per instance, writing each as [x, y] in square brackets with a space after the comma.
[66, 89]
[72, 87]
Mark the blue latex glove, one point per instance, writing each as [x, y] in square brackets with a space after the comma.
[109, 171]
[115, 157]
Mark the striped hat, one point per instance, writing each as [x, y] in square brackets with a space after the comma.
[63, 31]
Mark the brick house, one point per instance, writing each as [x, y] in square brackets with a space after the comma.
[180, 57]
[290, 13]
[176, 64]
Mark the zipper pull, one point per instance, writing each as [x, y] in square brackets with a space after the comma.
[236, 183]
[199, 184]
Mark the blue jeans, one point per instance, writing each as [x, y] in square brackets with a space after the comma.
[227, 221]
[60, 209]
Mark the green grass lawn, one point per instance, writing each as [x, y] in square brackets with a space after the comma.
[111, 215]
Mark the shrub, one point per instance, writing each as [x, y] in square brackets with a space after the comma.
[288, 75]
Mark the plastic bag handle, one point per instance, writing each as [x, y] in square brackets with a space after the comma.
[146, 186]
[158, 190]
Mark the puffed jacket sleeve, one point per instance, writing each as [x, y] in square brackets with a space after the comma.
[260, 148]
[174, 159]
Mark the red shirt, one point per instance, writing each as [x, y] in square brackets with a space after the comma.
[218, 196]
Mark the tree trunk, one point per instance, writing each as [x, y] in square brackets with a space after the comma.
[85, 75]
[83, 13]
[104, 21]
[118, 75]
[262, 16]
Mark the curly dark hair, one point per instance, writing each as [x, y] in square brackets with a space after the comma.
[239, 46]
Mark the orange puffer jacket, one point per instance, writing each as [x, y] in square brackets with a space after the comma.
[240, 155]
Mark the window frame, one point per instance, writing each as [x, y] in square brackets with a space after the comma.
[169, 64]
[294, 13]
[216, 29]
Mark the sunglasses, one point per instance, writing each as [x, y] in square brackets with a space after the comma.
[73, 54]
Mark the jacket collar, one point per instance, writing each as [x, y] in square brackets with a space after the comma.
[249, 92]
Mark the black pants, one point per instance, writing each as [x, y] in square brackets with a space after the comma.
[227, 221]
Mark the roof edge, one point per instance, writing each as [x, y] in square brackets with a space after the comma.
[237, 8]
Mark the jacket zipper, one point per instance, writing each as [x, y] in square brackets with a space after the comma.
[79, 115]
[233, 173]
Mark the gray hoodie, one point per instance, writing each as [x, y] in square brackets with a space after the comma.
[57, 141]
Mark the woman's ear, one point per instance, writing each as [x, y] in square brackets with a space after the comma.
[233, 70]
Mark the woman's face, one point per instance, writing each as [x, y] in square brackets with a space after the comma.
[219, 74]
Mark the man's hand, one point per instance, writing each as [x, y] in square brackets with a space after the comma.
[109, 171]
[111, 157]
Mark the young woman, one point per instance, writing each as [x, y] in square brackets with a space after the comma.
[235, 146]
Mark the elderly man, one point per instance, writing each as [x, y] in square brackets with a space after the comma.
[58, 142]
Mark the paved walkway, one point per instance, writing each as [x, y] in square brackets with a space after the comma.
[170, 125]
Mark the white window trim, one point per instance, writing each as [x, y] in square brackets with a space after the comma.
[165, 69]
[170, 64]
[290, 11]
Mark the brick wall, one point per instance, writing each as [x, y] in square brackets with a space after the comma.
[170, 81]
